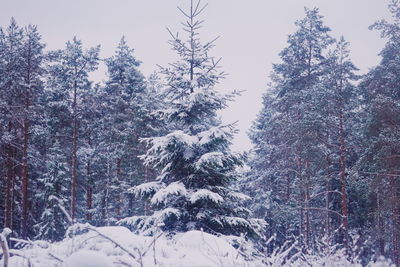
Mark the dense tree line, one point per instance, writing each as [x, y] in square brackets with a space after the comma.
[326, 158]
[69, 147]
[152, 153]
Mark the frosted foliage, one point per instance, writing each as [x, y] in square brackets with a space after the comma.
[196, 167]
[162, 195]
[161, 215]
[212, 134]
[204, 194]
[146, 188]
[238, 196]
[215, 158]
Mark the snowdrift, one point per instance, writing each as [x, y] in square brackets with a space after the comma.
[88, 246]
[117, 246]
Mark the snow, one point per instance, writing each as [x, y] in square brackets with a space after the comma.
[210, 135]
[146, 188]
[215, 158]
[91, 248]
[177, 135]
[237, 221]
[204, 194]
[177, 189]
[88, 246]
[163, 214]
[88, 258]
[202, 249]
[238, 196]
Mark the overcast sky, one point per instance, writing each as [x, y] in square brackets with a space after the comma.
[253, 32]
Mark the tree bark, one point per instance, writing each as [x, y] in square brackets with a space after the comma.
[118, 200]
[10, 181]
[89, 194]
[395, 214]
[25, 167]
[25, 181]
[342, 162]
[74, 154]
[380, 224]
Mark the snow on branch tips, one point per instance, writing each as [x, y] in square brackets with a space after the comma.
[207, 195]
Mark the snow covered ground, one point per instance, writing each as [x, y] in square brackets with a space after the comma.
[117, 246]
[87, 246]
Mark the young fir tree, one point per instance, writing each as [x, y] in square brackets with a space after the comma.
[193, 189]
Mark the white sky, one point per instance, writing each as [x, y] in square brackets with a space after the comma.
[253, 32]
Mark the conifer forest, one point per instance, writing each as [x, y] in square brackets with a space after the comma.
[139, 170]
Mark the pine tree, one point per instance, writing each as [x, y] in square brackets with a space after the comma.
[54, 219]
[32, 72]
[10, 84]
[193, 189]
[127, 117]
[288, 133]
[22, 73]
[337, 104]
[67, 82]
[380, 159]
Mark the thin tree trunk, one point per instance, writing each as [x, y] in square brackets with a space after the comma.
[25, 167]
[328, 198]
[10, 181]
[106, 212]
[74, 155]
[307, 226]
[343, 180]
[146, 180]
[118, 200]
[89, 194]
[89, 186]
[395, 220]
[380, 223]
[25, 181]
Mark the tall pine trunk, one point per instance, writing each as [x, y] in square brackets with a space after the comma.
[395, 218]
[89, 194]
[89, 186]
[10, 181]
[74, 154]
[25, 180]
[343, 189]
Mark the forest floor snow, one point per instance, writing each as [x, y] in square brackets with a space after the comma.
[117, 246]
[88, 246]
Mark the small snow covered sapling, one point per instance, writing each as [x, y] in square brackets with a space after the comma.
[4, 245]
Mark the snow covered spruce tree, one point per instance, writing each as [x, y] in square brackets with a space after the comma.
[196, 165]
